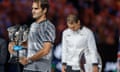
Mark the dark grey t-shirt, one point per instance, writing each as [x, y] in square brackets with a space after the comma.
[40, 33]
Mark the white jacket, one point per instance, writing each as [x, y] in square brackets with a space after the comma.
[73, 42]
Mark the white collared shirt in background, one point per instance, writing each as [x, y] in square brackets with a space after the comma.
[74, 42]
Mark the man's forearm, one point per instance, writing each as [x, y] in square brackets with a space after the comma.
[39, 55]
[44, 51]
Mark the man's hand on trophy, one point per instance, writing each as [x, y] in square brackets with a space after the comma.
[10, 47]
[24, 44]
[23, 60]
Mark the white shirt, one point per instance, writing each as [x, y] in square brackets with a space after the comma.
[74, 42]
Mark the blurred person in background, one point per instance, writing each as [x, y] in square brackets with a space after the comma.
[3, 54]
[75, 39]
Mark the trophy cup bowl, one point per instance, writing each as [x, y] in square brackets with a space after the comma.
[18, 34]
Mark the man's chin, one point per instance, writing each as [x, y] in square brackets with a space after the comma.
[34, 17]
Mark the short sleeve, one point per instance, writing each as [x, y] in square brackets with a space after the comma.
[49, 33]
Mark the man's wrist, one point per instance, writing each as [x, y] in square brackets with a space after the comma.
[64, 64]
[30, 61]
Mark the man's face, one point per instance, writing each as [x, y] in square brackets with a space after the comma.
[73, 25]
[37, 11]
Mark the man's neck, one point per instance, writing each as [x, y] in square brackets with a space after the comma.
[40, 19]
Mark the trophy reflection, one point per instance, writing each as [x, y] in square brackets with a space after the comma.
[85, 61]
[18, 34]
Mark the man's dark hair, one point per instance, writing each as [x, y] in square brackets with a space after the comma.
[73, 18]
[43, 3]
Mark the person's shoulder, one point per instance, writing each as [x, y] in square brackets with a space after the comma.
[66, 31]
[87, 30]
[34, 23]
[49, 23]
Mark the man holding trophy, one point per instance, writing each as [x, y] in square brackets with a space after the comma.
[79, 53]
[40, 40]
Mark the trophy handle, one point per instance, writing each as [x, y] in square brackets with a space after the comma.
[87, 67]
[99, 62]
[82, 61]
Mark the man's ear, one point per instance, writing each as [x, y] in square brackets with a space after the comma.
[45, 11]
[78, 21]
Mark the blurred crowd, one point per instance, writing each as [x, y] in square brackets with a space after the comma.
[101, 16]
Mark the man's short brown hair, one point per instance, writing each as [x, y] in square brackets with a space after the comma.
[43, 3]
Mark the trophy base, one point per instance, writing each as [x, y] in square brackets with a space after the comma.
[13, 60]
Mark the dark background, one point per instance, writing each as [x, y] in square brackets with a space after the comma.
[101, 16]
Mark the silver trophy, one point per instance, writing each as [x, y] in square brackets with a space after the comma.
[85, 61]
[18, 34]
